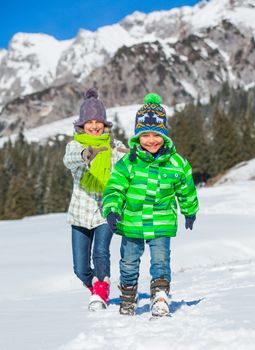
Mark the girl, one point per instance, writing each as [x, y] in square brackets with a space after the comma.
[90, 156]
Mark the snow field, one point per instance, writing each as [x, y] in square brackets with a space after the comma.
[44, 306]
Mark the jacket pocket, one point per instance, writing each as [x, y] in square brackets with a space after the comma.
[167, 181]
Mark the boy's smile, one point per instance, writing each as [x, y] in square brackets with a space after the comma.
[151, 142]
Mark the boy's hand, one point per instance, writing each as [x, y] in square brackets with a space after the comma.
[189, 221]
[112, 220]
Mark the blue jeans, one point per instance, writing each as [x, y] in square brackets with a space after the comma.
[82, 240]
[131, 251]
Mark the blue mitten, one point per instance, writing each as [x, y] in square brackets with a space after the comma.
[189, 221]
[112, 220]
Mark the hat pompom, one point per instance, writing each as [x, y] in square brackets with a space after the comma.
[152, 98]
[92, 92]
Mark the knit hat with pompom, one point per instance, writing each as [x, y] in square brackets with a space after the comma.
[92, 108]
[151, 117]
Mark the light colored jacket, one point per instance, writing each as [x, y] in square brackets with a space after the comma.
[85, 208]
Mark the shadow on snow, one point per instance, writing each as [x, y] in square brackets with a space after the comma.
[173, 306]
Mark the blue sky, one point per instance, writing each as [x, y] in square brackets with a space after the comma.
[62, 19]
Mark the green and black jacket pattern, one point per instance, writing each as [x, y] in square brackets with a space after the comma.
[145, 192]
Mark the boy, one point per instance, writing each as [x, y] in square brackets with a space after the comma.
[139, 203]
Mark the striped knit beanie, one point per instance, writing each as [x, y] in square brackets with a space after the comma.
[151, 117]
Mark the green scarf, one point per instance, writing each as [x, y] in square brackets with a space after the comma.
[95, 179]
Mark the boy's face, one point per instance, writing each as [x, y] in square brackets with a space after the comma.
[93, 127]
[151, 142]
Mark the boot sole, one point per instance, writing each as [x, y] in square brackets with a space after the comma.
[97, 306]
[96, 303]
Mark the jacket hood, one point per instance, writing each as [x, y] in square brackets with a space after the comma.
[135, 147]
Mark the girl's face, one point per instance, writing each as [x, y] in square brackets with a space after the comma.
[93, 127]
[151, 142]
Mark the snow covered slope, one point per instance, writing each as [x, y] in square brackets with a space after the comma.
[44, 306]
[241, 172]
[234, 192]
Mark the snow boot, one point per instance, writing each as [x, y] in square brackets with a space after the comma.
[128, 299]
[159, 297]
[100, 294]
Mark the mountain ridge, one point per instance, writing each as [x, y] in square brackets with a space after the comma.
[191, 38]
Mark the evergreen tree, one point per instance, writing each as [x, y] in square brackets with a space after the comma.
[248, 138]
[59, 180]
[39, 172]
[4, 184]
[226, 143]
[189, 138]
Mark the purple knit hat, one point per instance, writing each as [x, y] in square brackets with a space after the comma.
[91, 108]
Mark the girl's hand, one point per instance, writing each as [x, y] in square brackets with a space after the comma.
[89, 153]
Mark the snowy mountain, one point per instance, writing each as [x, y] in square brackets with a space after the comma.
[44, 307]
[29, 64]
[185, 53]
[194, 67]
[209, 13]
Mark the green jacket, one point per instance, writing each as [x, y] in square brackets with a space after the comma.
[144, 192]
